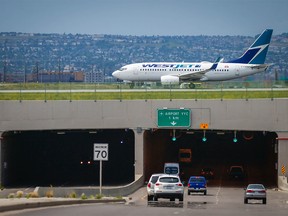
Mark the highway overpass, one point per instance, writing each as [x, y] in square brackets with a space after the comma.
[51, 142]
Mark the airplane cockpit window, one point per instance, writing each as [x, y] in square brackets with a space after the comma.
[122, 69]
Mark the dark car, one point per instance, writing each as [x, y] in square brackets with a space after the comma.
[255, 191]
[197, 184]
[236, 172]
[207, 172]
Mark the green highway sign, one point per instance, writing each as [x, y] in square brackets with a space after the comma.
[174, 117]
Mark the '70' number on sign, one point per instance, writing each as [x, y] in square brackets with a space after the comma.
[100, 151]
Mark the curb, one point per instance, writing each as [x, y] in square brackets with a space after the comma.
[23, 206]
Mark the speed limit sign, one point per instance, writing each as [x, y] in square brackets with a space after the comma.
[100, 152]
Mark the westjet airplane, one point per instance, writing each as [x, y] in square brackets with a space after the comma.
[251, 62]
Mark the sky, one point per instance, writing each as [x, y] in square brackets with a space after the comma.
[144, 17]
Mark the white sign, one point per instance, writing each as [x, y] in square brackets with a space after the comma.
[100, 152]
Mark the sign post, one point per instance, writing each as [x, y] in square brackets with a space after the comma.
[100, 154]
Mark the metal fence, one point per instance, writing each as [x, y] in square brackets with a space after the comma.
[142, 91]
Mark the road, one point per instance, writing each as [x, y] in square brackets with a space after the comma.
[219, 201]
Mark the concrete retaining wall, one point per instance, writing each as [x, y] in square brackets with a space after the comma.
[88, 191]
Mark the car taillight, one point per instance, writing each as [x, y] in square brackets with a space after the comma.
[157, 184]
[250, 191]
[188, 184]
[262, 191]
[149, 185]
[180, 185]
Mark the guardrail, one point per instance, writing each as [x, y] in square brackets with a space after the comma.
[146, 91]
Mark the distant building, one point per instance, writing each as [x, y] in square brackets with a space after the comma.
[47, 77]
[94, 77]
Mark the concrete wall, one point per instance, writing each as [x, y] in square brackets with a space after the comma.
[257, 114]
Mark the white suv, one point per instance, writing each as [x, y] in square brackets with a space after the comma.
[150, 186]
[169, 187]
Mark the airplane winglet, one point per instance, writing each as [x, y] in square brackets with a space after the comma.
[215, 64]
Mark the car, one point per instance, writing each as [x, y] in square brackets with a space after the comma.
[255, 191]
[236, 172]
[207, 172]
[150, 186]
[169, 187]
[197, 184]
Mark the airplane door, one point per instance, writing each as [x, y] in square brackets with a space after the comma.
[237, 72]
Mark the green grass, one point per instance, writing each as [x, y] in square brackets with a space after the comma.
[145, 95]
[202, 91]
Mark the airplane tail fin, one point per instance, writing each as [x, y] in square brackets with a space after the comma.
[256, 54]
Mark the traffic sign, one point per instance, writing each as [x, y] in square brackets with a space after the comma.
[100, 151]
[174, 118]
[283, 170]
[204, 125]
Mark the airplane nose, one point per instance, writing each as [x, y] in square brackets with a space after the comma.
[115, 73]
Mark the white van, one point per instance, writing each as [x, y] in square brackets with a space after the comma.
[172, 169]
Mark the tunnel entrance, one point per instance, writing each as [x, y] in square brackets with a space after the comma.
[65, 158]
[253, 150]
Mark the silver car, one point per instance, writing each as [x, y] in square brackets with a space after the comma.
[150, 186]
[169, 187]
[255, 191]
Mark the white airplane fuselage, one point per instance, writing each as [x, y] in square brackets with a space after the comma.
[155, 70]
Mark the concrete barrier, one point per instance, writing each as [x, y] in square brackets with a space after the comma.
[282, 183]
[88, 191]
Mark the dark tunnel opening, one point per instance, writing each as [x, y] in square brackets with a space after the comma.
[65, 158]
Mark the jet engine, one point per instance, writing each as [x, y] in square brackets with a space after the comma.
[168, 79]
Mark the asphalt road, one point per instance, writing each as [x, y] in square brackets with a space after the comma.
[219, 201]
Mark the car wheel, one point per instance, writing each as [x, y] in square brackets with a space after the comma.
[172, 199]
[181, 198]
[155, 198]
[188, 192]
[245, 201]
[205, 193]
[264, 201]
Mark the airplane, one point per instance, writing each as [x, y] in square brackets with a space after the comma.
[251, 62]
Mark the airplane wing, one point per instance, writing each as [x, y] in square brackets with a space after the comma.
[197, 75]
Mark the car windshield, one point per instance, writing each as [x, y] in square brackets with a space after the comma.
[236, 169]
[171, 170]
[255, 186]
[168, 180]
[197, 180]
